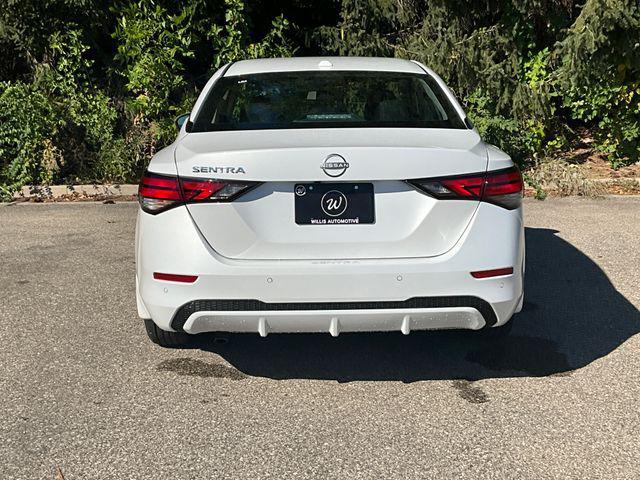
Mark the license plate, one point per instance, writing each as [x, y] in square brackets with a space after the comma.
[334, 203]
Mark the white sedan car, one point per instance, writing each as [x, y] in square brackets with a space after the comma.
[328, 195]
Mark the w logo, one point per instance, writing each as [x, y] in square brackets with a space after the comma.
[333, 203]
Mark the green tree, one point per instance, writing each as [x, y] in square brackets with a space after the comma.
[233, 42]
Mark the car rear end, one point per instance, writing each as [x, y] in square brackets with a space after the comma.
[349, 195]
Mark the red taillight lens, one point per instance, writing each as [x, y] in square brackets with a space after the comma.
[500, 187]
[464, 187]
[158, 193]
[504, 188]
[195, 190]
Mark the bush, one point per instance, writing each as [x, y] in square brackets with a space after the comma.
[562, 178]
[55, 127]
[28, 122]
[91, 88]
[614, 109]
[599, 75]
[62, 125]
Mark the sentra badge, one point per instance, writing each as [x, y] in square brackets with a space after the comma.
[218, 170]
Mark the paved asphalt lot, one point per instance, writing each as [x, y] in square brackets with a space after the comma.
[84, 389]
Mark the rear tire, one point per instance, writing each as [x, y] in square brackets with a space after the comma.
[498, 332]
[164, 338]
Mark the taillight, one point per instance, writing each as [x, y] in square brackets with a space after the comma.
[504, 188]
[158, 193]
[500, 187]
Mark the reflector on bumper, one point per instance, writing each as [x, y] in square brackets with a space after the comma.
[172, 277]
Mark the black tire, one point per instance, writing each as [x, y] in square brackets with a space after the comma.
[164, 338]
[498, 332]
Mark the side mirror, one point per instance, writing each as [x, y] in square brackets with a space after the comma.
[181, 120]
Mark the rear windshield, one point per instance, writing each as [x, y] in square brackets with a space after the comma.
[326, 100]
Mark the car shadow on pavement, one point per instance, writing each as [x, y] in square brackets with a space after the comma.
[573, 315]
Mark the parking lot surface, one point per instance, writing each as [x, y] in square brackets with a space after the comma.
[84, 389]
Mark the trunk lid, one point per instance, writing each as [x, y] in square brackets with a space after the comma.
[260, 225]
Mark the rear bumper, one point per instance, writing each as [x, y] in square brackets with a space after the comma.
[425, 313]
[310, 296]
[335, 322]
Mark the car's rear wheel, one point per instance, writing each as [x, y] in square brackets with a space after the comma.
[498, 332]
[164, 338]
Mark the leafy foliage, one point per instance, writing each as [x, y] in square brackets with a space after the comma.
[152, 46]
[57, 124]
[93, 96]
[599, 72]
[232, 41]
[27, 121]
[526, 70]
[90, 88]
